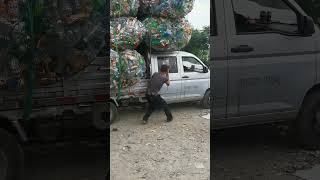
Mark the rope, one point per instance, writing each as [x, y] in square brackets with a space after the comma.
[30, 66]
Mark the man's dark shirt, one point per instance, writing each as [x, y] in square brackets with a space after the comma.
[156, 82]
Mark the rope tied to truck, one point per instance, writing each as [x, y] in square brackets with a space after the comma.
[32, 15]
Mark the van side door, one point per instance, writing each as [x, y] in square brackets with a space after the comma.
[218, 60]
[195, 80]
[271, 65]
[170, 93]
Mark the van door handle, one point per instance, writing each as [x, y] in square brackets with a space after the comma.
[242, 48]
[185, 76]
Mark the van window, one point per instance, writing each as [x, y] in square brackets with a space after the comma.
[252, 16]
[190, 64]
[213, 22]
[169, 60]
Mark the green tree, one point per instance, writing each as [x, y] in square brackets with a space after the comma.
[199, 44]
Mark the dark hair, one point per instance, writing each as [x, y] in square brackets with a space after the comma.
[164, 68]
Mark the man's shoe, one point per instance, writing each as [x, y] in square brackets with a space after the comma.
[169, 119]
[145, 121]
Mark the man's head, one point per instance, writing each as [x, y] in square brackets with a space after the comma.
[164, 68]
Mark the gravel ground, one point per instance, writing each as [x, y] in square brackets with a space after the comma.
[180, 149]
[158, 150]
[259, 153]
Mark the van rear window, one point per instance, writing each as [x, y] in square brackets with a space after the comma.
[168, 60]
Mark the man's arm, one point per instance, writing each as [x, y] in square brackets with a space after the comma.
[168, 79]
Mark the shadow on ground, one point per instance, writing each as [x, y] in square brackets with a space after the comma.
[75, 161]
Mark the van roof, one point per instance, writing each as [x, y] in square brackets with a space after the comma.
[175, 53]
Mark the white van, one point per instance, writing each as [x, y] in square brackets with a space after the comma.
[266, 57]
[189, 77]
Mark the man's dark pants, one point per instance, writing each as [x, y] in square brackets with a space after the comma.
[157, 102]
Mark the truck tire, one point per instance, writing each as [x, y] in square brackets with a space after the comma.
[308, 122]
[11, 157]
[205, 102]
[100, 116]
[114, 115]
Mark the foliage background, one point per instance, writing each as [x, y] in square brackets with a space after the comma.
[199, 44]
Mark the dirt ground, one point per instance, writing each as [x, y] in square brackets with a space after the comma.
[158, 150]
[66, 161]
[180, 149]
[259, 153]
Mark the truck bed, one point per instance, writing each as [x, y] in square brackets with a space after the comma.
[88, 86]
[136, 91]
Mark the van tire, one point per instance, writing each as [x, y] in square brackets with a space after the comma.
[13, 153]
[307, 126]
[205, 102]
[114, 114]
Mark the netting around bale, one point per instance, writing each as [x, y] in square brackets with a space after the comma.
[59, 39]
[167, 35]
[124, 8]
[115, 68]
[126, 33]
[167, 8]
[127, 68]
[183, 33]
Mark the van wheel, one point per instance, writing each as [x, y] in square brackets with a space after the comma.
[11, 157]
[205, 102]
[114, 115]
[308, 122]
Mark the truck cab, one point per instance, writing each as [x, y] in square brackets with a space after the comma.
[189, 77]
[266, 62]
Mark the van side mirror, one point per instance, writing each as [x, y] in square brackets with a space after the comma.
[306, 26]
[205, 69]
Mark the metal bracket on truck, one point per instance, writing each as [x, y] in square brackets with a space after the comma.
[114, 100]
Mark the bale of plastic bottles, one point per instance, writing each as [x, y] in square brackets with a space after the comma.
[126, 33]
[120, 8]
[167, 35]
[115, 68]
[167, 8]
[127, 68]
[68, 35]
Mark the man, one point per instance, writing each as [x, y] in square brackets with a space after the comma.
[155, 100]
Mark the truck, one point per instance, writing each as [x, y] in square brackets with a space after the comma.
[72, 109]
[189, 77]
[60, 46]
[265, 57]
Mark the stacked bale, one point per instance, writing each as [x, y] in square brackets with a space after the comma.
[168, 30]
[66, 36]
[167, 35]
[159, 24]
[126, 33]
[167, 8]
[127, 68]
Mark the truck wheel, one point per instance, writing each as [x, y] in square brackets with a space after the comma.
[11, 157]
[308, 122]
[114, 115]
[205, 102]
